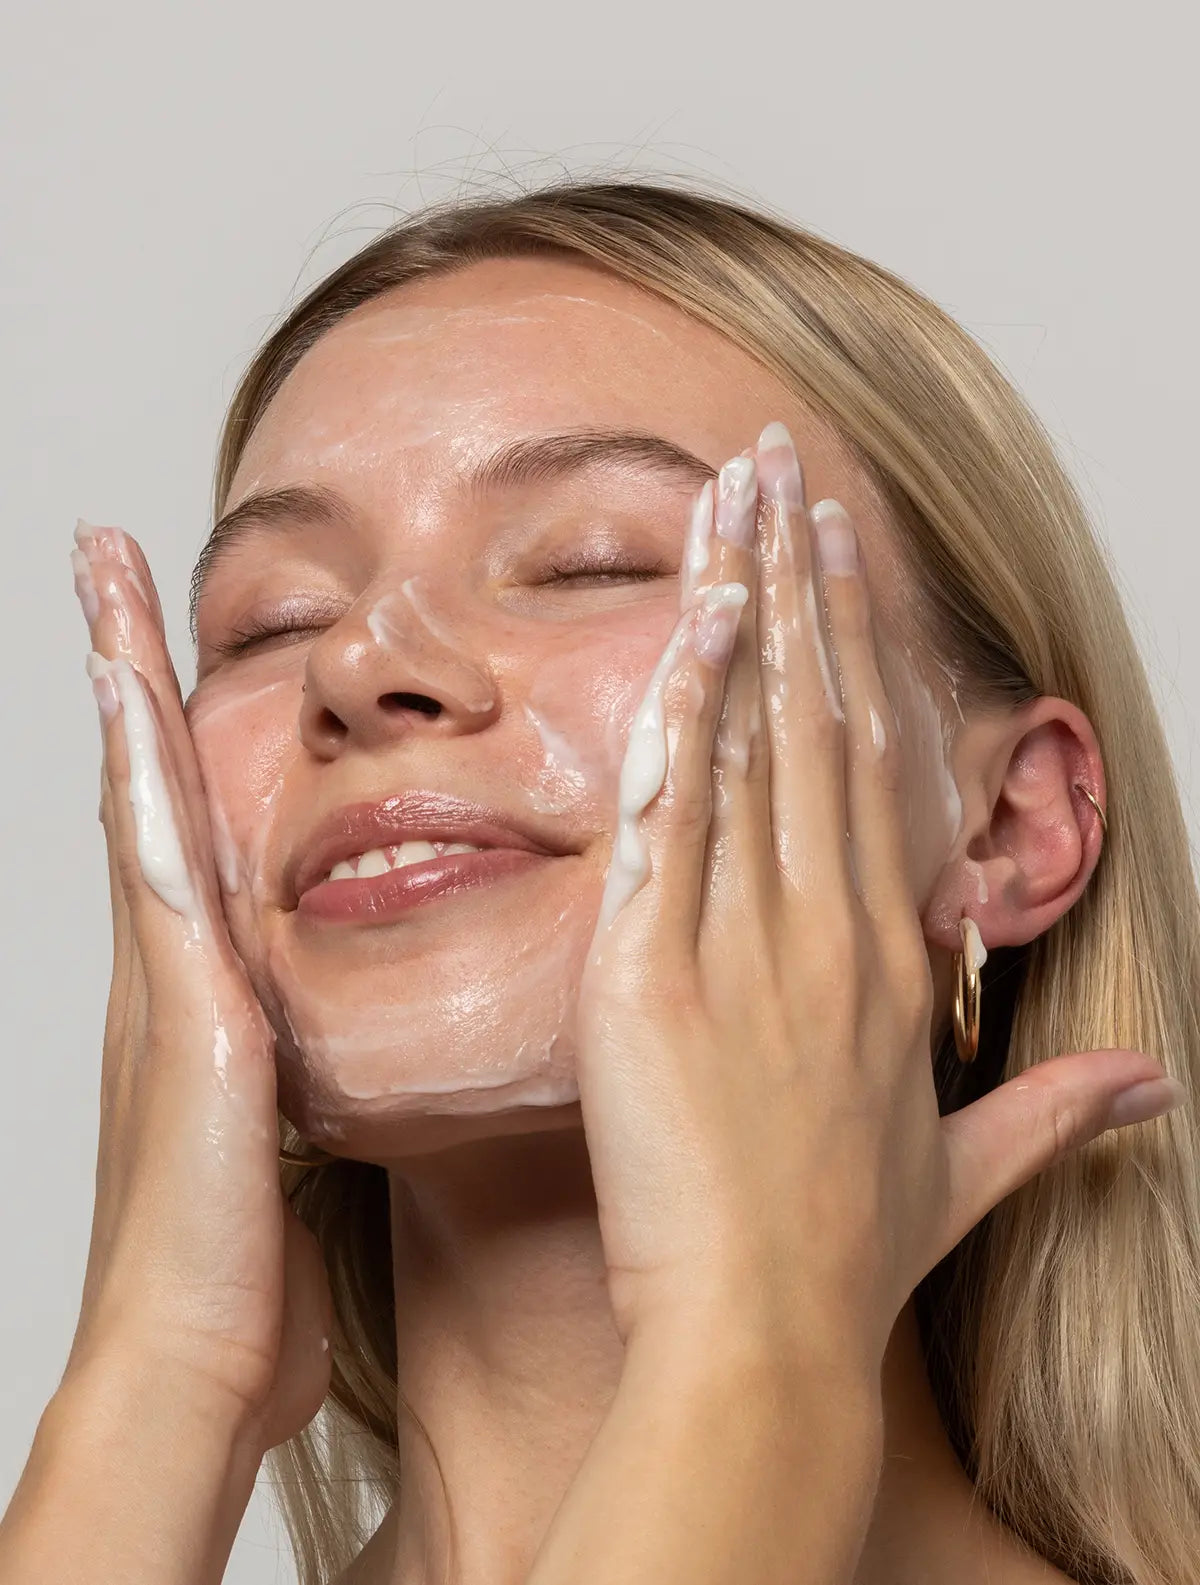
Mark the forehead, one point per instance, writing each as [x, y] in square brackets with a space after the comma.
[423, 381]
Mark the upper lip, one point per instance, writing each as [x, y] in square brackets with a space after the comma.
[418, 815]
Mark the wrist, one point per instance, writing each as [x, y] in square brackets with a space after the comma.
[137, 1472]
[129, 1386]
[723, 1443]
[709, 1346]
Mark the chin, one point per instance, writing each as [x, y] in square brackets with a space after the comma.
[380, 1102]
[396, 1128]
[456, 1024]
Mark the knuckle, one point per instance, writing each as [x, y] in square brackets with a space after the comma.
[836, 945]
[909, 975]
[129, 872]
[691, 808]
[1062, 1129]
[846, 599]
[825, 730]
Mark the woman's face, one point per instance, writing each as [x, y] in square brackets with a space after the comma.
[466, 616]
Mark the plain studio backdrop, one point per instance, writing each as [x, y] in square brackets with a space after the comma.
[173, 175]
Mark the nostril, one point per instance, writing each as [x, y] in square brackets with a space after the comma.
[411, 701]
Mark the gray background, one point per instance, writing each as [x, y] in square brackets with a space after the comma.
[172, 173]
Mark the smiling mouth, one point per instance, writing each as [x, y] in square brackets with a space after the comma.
[378, 861]
[373, 862]
[383, 884]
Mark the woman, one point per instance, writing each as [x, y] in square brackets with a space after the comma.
[589, 825]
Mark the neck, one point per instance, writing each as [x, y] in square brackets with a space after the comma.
[509, 1359]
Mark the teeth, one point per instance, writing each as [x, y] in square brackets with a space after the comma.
[409, 853]
[372, 862]
[378, 861]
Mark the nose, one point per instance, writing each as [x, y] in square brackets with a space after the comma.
[392, 665]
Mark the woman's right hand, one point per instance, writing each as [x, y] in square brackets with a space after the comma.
[199, 1273]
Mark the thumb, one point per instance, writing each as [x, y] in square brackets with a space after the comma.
[1009, 1136]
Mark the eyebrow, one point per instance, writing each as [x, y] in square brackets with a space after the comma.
[532, 459]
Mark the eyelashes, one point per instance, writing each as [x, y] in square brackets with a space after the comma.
[568, 569]
[257, 631]
[572, 569]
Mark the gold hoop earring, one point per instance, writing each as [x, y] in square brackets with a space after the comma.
[321, 1158]
[967, 995]
[1095, 803]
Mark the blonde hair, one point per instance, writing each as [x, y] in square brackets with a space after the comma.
[1062, 1336]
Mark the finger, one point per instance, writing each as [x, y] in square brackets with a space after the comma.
[805, 718]
[643, 774]
[741, 865]
[143, 825]
[114, 544]
[123, 625]
[108, 701]
[874, 769]
[126, 1010]
[676, 826]
[1026, 1125]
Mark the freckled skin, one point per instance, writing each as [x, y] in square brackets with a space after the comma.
[457, 1020]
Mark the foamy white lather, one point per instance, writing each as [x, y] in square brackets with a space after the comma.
[974, 951]
[644, 768]
[159, 850]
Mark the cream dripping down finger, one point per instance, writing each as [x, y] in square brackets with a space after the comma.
[644, 768]
[160, 852]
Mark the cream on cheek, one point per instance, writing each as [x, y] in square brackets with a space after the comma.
[932, 803]
[246, 741]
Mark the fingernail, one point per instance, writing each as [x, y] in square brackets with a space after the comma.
[110, 544]
[775, 437]
[85, 586]
[779, 470]
[93, 540]
[97, 543]
[1144, 1100]
[837, 543]
[716, 629]
[737, 500]
[85, 535]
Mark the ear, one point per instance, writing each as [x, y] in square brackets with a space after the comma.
[1029, 838]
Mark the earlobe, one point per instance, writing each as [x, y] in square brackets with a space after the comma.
[1033, 827]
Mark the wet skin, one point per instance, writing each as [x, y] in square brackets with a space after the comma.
[485, 640]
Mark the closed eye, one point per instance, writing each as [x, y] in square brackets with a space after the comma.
[255, 632]
[574, 570]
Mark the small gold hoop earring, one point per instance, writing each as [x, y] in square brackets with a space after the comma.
[967, 993]
[1095, 803]
[320, 1158]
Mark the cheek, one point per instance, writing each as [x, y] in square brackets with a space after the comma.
[578, 704]
[245, 740]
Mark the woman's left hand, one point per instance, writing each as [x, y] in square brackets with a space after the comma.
[754, 1063]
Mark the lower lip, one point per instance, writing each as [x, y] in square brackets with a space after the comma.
[379, 898]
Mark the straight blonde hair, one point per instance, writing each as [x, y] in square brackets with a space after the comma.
[1062, 1336]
